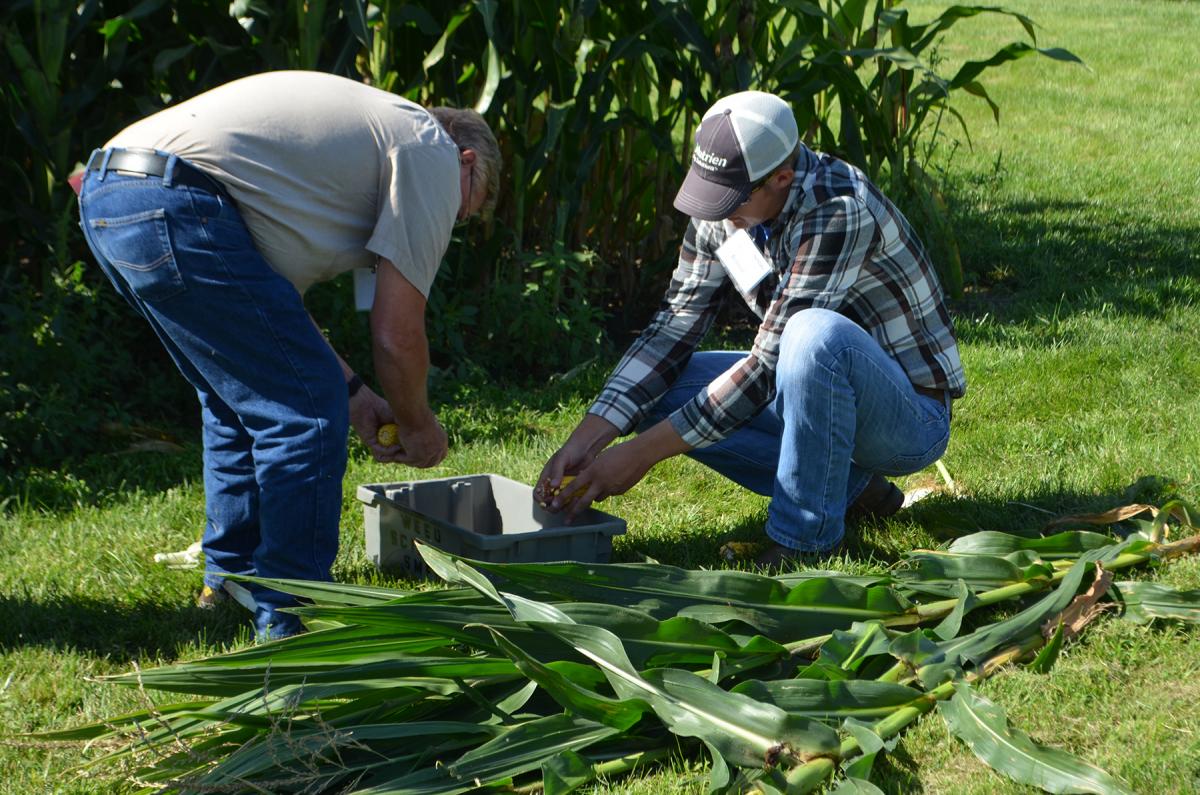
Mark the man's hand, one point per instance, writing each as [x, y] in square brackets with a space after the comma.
[424, 446]
[615, 471]
[589, 437]
[601, 475]
[368, 411]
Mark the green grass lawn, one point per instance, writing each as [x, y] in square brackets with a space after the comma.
[1080, 213]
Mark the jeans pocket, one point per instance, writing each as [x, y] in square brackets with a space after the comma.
[139, 247]
[907, 463]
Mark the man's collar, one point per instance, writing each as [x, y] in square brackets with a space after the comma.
[799, 198]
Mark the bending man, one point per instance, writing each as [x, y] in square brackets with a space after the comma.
[213, 217]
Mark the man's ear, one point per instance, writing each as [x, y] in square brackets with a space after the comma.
[466, 157]
[783, 177]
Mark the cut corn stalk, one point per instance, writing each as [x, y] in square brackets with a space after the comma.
[551, 674]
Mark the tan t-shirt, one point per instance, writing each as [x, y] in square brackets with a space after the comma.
[328, 173]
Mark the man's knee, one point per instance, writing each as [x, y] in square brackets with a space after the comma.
[814, 338]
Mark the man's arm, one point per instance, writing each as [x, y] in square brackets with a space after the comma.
[401, 355]
[656, 358]
[648, 368]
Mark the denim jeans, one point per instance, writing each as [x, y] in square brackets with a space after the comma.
[272, 396]
[843, 410]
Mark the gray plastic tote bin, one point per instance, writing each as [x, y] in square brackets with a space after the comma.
[483, 517]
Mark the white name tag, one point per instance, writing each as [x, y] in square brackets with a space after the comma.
[364, 289]
[742, 260]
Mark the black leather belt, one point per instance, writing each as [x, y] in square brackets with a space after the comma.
[940, 395]
[147, 163]
[936, 394]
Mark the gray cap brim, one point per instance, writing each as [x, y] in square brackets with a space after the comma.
[709, 201]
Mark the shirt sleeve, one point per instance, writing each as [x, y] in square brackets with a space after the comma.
[832, 243]
[419, 198]
[657, 357]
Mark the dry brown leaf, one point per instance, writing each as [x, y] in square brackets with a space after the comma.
[1083, 608]
[1107, 517]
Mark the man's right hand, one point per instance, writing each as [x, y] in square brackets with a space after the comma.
[423, 447]
[590, 436]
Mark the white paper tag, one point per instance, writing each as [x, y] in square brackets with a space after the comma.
[364, 289]
[742, 260]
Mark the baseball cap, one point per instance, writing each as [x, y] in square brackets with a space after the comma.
[741, 139]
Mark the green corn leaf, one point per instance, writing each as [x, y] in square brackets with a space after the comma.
[720, 774]
[203, 679]
[871, 745]
[439, 50]
[971, 70]
[519, 750]
[491, 80]
[345, 644]
[1146, 601]
[1048, 654]
[279, 754]
[835, 701]
[620, 714]
[355, 14]
[915, 649]
[565, 772]
[951, 625]
[1068, 544]
[856, 786]
[334, 593]
[980, 644]
[810, 608]
[845, 651]
[649, 641]
[814, 607]
[743, 730]
[91, 731]
[981, 571]
[927, 33]
[984, 727]
[793, 579]
[899, 56]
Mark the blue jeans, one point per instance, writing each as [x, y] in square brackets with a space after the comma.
[272, 396]
[843, 410]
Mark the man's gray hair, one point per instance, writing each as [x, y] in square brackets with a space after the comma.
[469, 130]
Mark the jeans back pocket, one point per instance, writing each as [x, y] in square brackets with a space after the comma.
[139, 247]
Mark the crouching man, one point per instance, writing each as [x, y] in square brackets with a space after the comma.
[854, 366]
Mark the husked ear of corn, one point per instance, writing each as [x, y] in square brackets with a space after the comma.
[387, 435]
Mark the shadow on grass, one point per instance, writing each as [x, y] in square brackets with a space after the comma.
[118, 631]
[1047, 260]
[931, 522]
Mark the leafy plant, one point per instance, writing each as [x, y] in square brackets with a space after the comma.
[595, 105]
[562, 672]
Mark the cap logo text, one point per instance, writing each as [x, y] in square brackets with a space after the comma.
[708, 159]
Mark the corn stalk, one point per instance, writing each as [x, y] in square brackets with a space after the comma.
[551, 674]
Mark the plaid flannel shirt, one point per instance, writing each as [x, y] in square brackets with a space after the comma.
[838, 244]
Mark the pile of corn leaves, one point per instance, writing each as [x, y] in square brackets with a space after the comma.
[524, 676]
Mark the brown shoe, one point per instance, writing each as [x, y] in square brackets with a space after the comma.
[210, 597]
[777, 557]
[878, 500]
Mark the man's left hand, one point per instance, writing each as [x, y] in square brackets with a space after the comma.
[368, 412]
